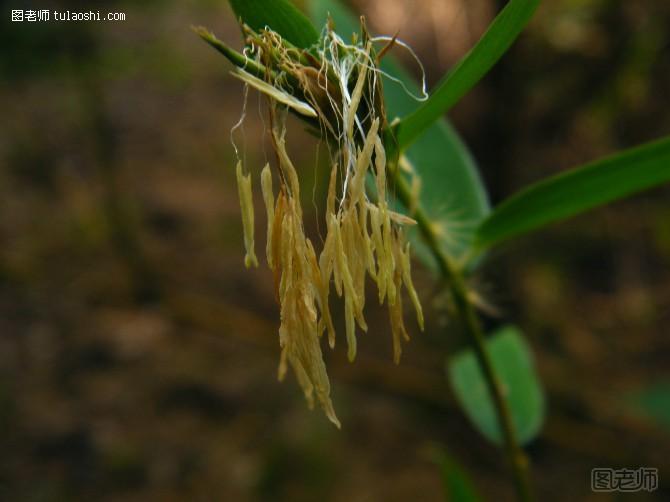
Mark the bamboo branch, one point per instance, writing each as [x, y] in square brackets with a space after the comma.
[467, 313]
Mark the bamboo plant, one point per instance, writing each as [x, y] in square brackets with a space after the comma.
[394, 159]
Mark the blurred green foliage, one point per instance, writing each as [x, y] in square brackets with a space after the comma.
[85, 364]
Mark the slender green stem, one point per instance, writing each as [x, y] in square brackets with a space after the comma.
[239, 60]
[467, 313]
[515, 454]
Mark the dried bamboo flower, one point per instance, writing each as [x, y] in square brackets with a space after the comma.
[337, 84]
[247, 206]
[268, 198]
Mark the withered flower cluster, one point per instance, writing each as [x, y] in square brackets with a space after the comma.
[336, 87]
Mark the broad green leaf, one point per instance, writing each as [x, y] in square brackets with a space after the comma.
[280, 15]
[653, 402]
[452, 193]
[512, 362]
[456, 83]
[578, 190]
[458, 487]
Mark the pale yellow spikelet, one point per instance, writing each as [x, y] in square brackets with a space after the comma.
[283, 356]
[401, 219]
[273, 92]
[378, 244]
[327, 260]
[303, 380]
[327, 257]
[323, 292]
[341, 268]
[287, 305]
[288, 168]
[415, 184]
[357, 187]
[268, 198]
[406, 165]
[356, 261]
[350, 324]
[342, 265]
[389, 257]
[368, 247]
[380, 167]
[298, 333]
[415, 193]
[398, 330]
[357, 94]
[247, 207]
[332, 185]
[286, 245]
[275, 240]
[405, 262]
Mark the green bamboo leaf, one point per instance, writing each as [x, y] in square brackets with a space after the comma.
[458, 486]
[452, 193]
[578, 190]
[280, 15]
[455, 84]
[512, 361]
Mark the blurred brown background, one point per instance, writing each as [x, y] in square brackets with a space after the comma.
[138, 357]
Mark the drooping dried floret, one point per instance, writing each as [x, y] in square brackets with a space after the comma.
[338, 84]
[298, 333]
[247, 206]
[269, 199]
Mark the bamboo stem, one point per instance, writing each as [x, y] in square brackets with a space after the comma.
[467, 313]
